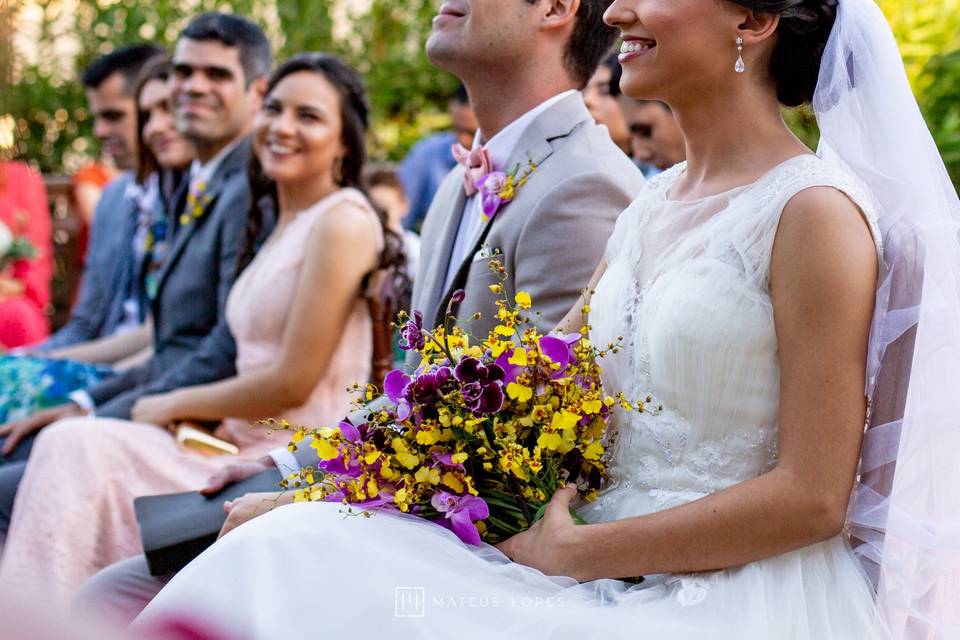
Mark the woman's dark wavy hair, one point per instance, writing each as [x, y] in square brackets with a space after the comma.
[802, 35]
[354, 116]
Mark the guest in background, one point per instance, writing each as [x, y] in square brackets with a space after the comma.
[429, 161]
[655, 137]
[24, 279]
[164, 156]
[303, 336]
[600, 95]
[109, 82]
[386, 192]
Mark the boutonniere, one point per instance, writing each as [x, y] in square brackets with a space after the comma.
[497, 188]
[197, 201]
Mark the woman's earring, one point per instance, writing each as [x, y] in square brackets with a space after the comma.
[739, 67]
[338, 171]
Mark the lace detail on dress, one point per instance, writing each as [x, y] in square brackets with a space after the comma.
[685, 288]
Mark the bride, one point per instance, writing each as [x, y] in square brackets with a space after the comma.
[753, 288]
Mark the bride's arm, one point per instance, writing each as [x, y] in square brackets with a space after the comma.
[573, 321]
[341, 249]
[823, 274]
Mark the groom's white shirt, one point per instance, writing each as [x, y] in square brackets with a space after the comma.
[500, 147]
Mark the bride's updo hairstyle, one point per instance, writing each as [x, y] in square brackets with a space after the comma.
[802, 35]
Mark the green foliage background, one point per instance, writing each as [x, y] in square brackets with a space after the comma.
[43, 117]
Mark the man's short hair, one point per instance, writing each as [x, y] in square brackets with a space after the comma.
[128, 61]
[590, 41]
[460, 95]
[238, 32]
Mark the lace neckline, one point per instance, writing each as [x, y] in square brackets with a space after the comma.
[680, 169]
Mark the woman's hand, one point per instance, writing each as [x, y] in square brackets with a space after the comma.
[19, 429]
[250, 506]
[553, 544]
[158, 409]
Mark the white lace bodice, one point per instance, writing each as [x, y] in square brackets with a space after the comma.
[687, 287]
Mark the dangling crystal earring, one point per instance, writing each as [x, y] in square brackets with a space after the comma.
[739, 67]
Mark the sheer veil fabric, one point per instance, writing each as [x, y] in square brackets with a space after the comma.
[904, 517]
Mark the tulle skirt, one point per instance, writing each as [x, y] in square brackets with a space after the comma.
[311, 570]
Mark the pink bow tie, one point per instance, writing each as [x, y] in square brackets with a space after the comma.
[476, 164]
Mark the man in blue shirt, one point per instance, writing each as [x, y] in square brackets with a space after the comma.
[430, 160]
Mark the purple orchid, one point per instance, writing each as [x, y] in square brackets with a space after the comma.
[481, 385]
[490, 187]
[425, 387]
[559, 351]
[510, 371]
[460, 512]
[347, 463]
[412, 337]
[456, 298]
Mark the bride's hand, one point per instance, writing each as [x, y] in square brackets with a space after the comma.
[552, 544]
[250, 506]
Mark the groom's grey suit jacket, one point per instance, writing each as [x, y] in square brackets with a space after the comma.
[192, 343]
[550, 238]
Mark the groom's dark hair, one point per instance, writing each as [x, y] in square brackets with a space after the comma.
[590, 41]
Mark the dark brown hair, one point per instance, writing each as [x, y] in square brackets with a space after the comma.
[590, 41]
[354, 116]
[158, 68]
[802, 35]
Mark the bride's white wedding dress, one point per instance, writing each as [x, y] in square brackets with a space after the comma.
[687, 287]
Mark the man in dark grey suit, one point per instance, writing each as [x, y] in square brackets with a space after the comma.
[220, 68]
[550, 237]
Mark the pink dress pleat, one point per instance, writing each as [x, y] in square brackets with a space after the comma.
[74, 509]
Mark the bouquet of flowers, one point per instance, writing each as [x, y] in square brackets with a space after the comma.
[481, 435]
[14, 247]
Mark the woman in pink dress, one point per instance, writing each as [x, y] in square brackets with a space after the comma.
[303, 337]
[25, 283]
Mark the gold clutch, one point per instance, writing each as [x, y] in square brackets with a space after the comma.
[202, 442]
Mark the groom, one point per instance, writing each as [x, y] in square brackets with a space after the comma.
[523, 63]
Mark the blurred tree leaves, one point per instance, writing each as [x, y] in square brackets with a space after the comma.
[43, 116]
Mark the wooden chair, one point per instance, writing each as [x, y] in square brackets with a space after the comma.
[69, 240]
[384, 294]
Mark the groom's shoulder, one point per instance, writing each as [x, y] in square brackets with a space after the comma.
[589, 151]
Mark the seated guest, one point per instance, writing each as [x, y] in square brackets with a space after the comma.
[164, 158]
[302, 328]
[24, 279]
[111, 82]
[29, 383]
[386, 193]
[220, 67]
[655, 136]
[601, 94]
[429, 161]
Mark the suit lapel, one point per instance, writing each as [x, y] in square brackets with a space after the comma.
[233, 162]
[535, 145]
[442, 245]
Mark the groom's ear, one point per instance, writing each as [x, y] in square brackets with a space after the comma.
[758, 27]
[559, 14]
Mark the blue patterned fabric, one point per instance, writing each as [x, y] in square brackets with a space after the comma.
[30, 383]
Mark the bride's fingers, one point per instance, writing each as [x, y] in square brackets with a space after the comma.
[560, 502]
